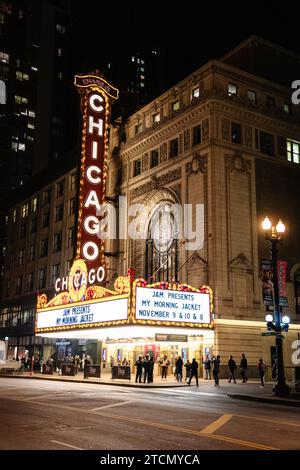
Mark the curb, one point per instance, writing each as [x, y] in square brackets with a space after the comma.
[273, 401]
[55, 379]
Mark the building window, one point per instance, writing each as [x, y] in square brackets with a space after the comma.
[287, 108]
[59, 212]
[33, 225]
[46, 220]
[197, 135]
[19, 285]
[236, 133]
[24, 212]
[57, 242]
[21, 257]
[137, 167]
[195, 93]
[73, 181]
[4, 57]
[293, 151]
[30, 282]
[266, 143]
[175, 106]
[2, 18]
[270, 102]
[42, 278]
[2, 92]
[14, 215]
[23, 230]
[60, 188]
[252, 96]
[44, 248]
[154, 158]
[61, 28]
[54, 273]
[161, 247]
[31, 113]
[34, 204]
[71, 237]
[71, 206]
[21, 99]
[47, 196]
[32, 253]
[138, 128]
[21, 76]
[156, 118]
[174, 149]
[232, 89]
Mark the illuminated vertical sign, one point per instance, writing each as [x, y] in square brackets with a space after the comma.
[96, 95]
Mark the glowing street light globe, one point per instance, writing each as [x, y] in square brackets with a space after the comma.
[280, 227]
[269, 317]
[267, 224]
[285, 319]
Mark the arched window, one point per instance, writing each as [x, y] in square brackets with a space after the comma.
[297, 291]
[162, 246]
[2, 92]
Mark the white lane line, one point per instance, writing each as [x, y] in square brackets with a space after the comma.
[111, 406]
[66, 445]
[211, 428]
[46, 396]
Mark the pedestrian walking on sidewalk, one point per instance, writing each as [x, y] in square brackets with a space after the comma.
[261, 367]
[243, 367]
[139, 369]
[207, 367]
[194, 371]
[232, 368]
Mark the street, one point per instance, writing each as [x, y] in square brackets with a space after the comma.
[45, 415]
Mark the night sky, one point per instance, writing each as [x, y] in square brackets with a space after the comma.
[187, 33]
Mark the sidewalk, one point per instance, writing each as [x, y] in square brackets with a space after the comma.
[250, 391]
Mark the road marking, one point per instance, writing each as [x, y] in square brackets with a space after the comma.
[269, 420]
[111, 406]
[54, 394]
[211, 428]
[66, 445]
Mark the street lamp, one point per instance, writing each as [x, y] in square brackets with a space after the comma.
[273, 236]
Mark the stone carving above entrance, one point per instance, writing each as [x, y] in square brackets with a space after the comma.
[197, 165]
[157, 182]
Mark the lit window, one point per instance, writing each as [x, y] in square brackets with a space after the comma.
[59, 75]
[142, 62]
[14, 215]
[34, 204]
[30, 125]
[232, 89]
[55, 273]
[24, 212]
[142, 77]
[21, 99]
[156, 117]
[24, 112]
[2, 18]
[30, 138]
[59, 52]
[138, 128]
[2, 92]
[252, 96]
[293, 151]
[60, 28]
[20, 14]
[175, 106]
[138, 61]
[31, 113]
[132, 59]
[35, 69]
[21, 76]
[142, 69]
[21, 146]
[4, 57]
[142, 85]
[137, 167]
[73, 181]
[14, 146]
[287, 108]
[195, 93]
[154, 52]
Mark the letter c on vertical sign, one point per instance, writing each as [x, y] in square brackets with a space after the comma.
[93, 179]
[93, 98]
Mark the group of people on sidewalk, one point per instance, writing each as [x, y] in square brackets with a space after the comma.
[214, 363]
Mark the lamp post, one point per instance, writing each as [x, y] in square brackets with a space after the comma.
[274, 236]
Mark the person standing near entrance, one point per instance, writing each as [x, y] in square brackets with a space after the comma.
[216, 369]
[139, 369]
[207, 367]
[146, 365]
[164, 367]
[243, 367]
[178, 369]
[232, 368]
[194, 371]
[151, 369]
[187, 366]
